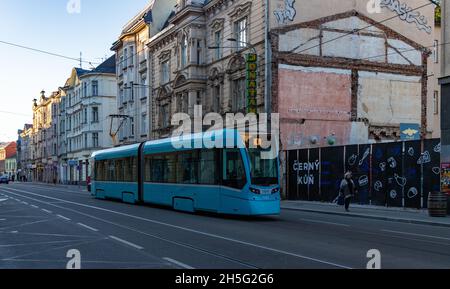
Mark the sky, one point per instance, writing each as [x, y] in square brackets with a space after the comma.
[51, 26]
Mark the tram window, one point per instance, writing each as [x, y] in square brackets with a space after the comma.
[188, 168]
[111, 171]
[127, 169]
[208, 162]
[134, 169]
[119, 170]
[170, 167]
[148, 169]
[233, 171]
[157, 169]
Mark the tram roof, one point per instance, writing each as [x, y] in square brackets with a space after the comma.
[193, 141]
[183, 143]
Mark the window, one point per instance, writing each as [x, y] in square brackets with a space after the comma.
[95, 115]
[264, 172]
[85, 120]
[187, 171]
[121, 97]
[125, 60]
[216, 98]
[436, 102]
[131, 91]
[165, 116]
[436, 51]
[144, 87]
[241, 33]
[183, 103]
[121, 64]
[85, 140]
[95, 143]
[144, 124]
[218, 44]
[184, 53]
[207, 169]
[199, 52]
[162, 169]
[131, 57]
[85, 89]
[239, 99]
[132, 127]
[233, 169]
[95, 88]
[165, 73]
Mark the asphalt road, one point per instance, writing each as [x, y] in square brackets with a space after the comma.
[39, 224]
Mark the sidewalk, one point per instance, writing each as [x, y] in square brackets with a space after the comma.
[411, 216]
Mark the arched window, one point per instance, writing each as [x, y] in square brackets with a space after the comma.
[184, 53]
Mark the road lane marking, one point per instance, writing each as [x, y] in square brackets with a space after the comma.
[2, 219]
[417, 235]
[33, 206]
[25, 203]
[62, 217]
[327, 223]
[177, 227]
[3, 200]
[180, 264]
[47, 211]
[126, 243]
[87, 227]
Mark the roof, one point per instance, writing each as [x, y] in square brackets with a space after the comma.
[108, 66]
[183, 143]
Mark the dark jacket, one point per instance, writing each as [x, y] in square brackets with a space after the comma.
[345, 188]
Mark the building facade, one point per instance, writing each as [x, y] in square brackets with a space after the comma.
[445, 81]
[86, 102]
[7, 158]
[345, 75]
[200, 59]
[42, 137]
[133, 101]
[24, 153]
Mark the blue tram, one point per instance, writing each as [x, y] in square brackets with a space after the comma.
[190, 178]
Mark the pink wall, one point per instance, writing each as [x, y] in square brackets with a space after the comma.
[322, 99]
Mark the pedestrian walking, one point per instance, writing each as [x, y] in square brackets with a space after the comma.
[348, 189]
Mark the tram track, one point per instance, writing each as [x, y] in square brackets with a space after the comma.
[173, 242]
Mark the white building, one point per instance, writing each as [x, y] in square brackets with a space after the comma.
[89, 99]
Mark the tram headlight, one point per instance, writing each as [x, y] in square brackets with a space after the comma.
[276, 190]
[255, 191]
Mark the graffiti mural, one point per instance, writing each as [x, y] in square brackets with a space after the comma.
[386, 174]
[286, 13]
[407, 14]
[332, 172]
[431, 162]
[412, 173]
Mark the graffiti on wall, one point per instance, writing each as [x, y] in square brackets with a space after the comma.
[286, 13]
[399, 174]
[407, 14]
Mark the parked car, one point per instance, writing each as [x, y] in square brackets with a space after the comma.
[4, 179]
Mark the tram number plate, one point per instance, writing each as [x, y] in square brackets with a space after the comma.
[266, 192]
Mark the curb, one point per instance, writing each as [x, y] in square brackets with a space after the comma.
[374, 217]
